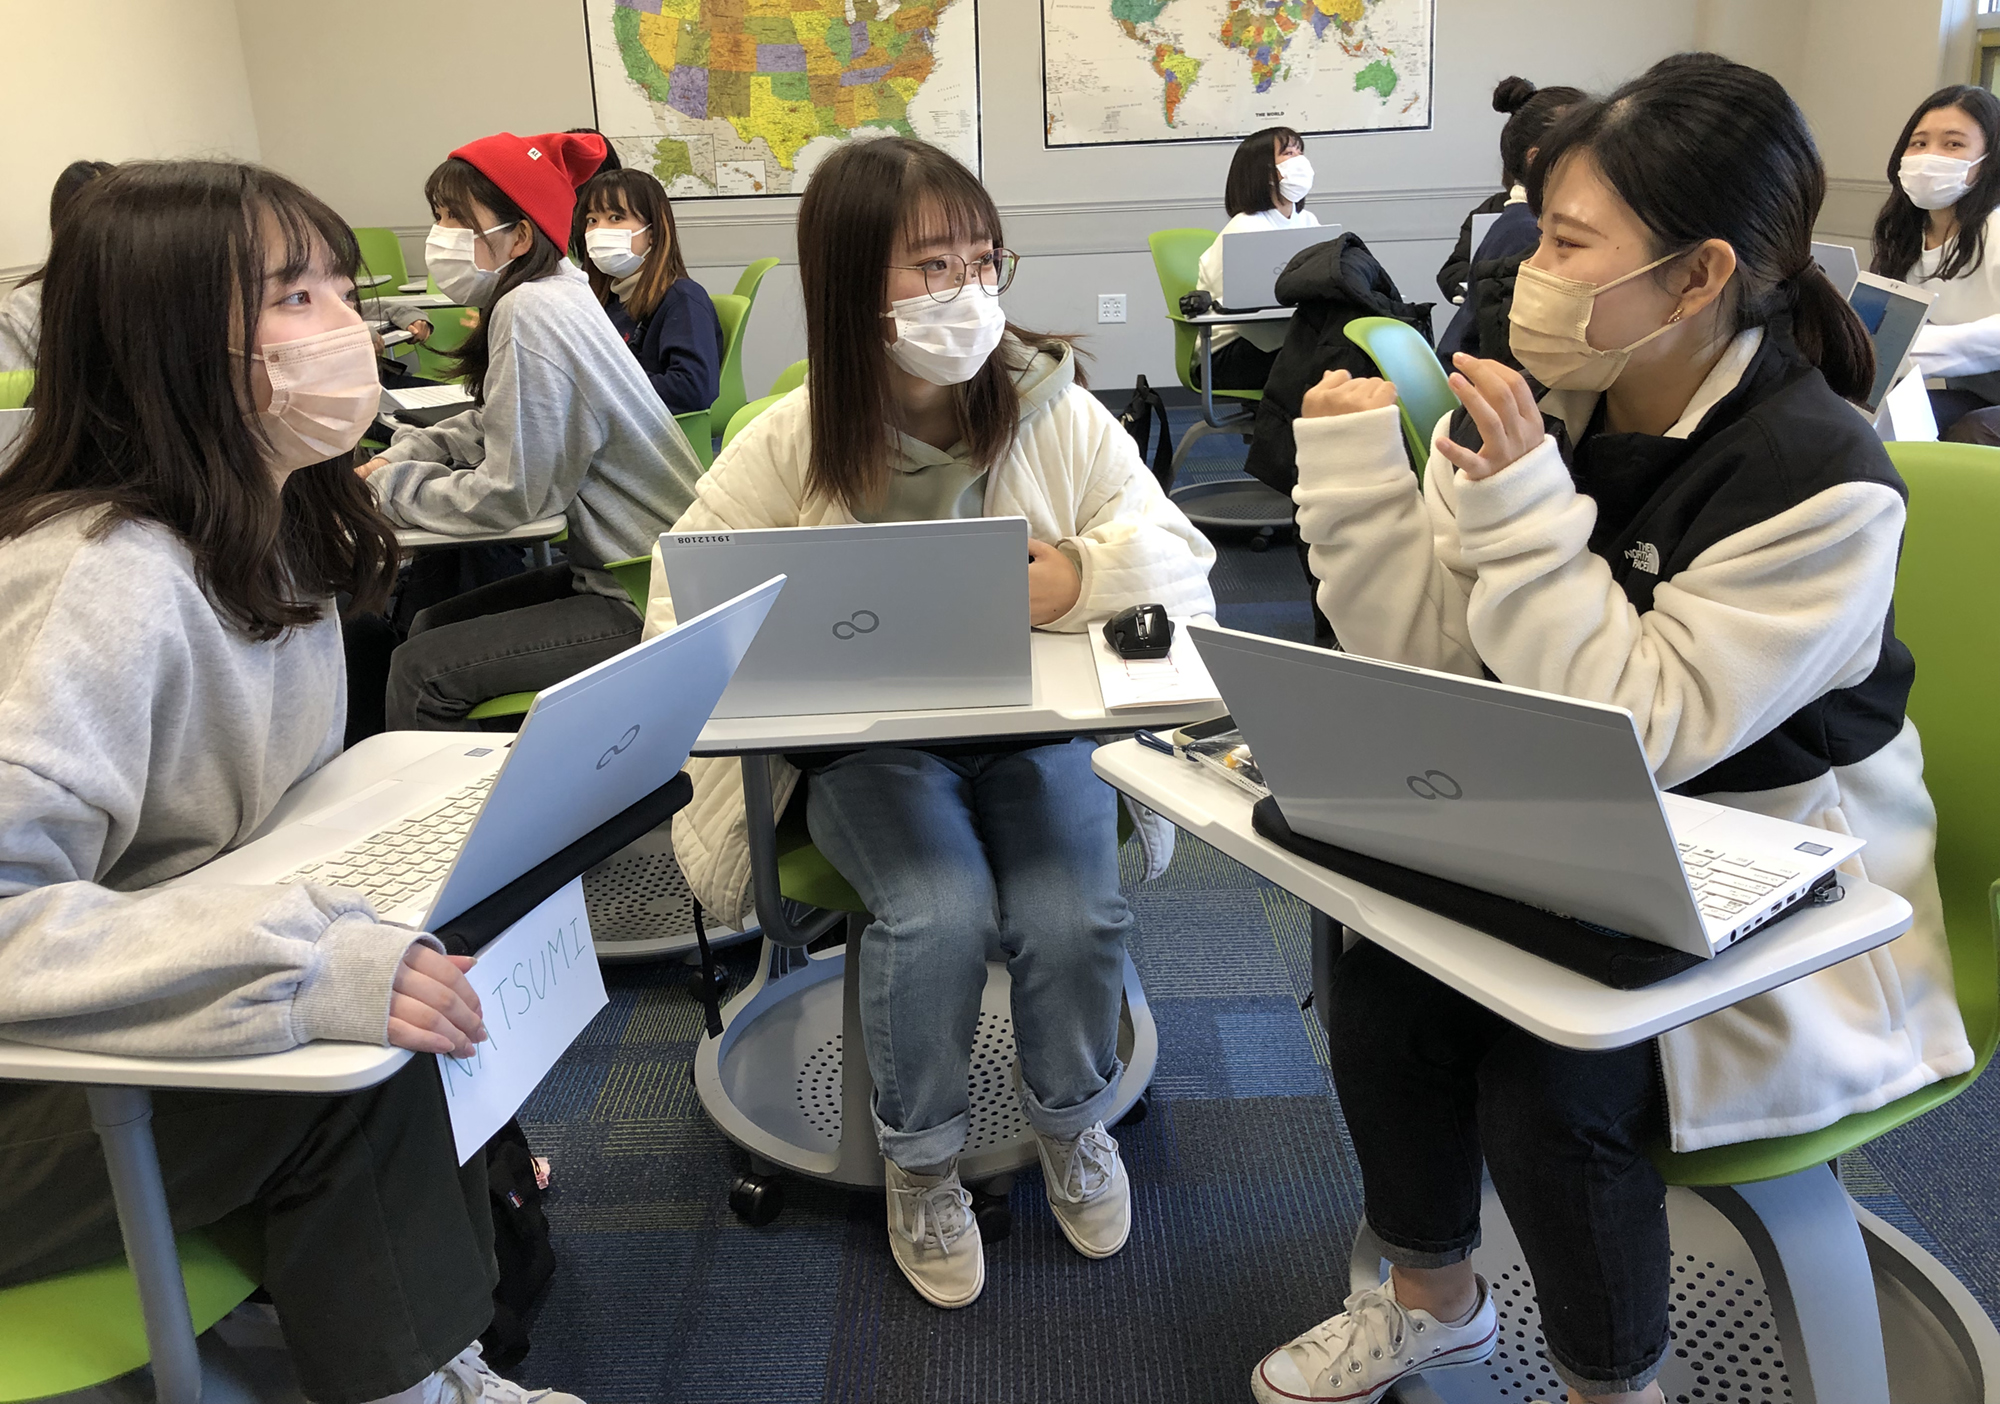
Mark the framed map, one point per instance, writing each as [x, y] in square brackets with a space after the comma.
[1120, 72]
[732, 98]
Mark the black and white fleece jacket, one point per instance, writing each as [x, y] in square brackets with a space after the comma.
[1729, 584]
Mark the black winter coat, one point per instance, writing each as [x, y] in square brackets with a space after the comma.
[1331, 284]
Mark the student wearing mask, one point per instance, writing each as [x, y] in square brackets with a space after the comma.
[203, 382]
[1934, 231]
[625, 231]
[1695, 525]
[1269, 179]
[563, 421]
[925, 404]
[21, 309]
[1485, 275]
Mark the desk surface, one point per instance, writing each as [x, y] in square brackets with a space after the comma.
[1066, 702]
[541, 529]
[313, 1068]
[1545, 999]
[1256, 314]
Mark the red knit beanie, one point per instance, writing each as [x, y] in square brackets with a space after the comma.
[538, 173]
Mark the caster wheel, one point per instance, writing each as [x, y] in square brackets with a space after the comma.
[996, 1220]
[701, 989]
[1260, 544]
[756, 1199]
[1135, 1113]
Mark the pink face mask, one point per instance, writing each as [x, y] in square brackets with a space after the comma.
[324, 394]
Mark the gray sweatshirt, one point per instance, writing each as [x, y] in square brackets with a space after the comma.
[135, 744]
[570, 425]
[21, 327]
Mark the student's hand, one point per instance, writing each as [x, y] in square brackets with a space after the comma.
[434, 1008]
[365, 470]
[1053, 583]
[419, 330]
[1500, 403]
[1340, 393]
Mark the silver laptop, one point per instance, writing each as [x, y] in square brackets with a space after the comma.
[1894, 312]
[902, 616]
[1252, 259]
[432, 839]
[1543, 799]
[1841, 264]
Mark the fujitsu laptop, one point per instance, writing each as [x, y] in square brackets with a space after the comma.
[1894, 312]
[901, 616]
[1841, 264]
[430, 840]
[1252, 259]
[1543, 799]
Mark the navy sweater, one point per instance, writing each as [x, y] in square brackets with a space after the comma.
[679, 346]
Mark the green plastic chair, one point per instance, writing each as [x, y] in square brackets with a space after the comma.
[789, 379]
[381, 252]
[1406, 360]
[698, 427]
[734, 313]
[1948, 612]
[84, 1328]
[742, 417]
[753, 277]
[1177, 263]
[14, 388]
[448, 332]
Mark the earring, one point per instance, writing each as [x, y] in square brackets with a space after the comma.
[1675, 318]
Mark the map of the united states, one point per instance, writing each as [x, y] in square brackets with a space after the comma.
[743, 95]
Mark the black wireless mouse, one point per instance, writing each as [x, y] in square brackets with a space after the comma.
[1143, 631]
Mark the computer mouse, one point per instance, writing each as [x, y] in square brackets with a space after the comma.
[1143, 631]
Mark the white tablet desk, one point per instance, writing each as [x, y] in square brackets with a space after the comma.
[1545, 999]
[538, 532]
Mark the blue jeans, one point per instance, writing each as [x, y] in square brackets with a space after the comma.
[963, 859]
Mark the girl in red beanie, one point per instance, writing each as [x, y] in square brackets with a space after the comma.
[563, 421]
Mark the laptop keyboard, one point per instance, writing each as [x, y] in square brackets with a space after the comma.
[407, 860]
[1726, 885]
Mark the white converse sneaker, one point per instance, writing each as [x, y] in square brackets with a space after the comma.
[1089, 1190]
[934, 1236]
[1354, 1358]
[467, 1379]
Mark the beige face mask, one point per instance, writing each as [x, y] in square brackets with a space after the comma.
[1550, 322]
[325, 392]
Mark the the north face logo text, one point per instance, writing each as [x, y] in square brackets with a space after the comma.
[1645, 556]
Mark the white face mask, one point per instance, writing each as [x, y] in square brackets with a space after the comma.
[611, 251]
[448, 259]
[324, 394]
[946, 342]
[1295, 178]
[1933, 182]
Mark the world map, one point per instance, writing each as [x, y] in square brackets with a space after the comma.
[1124, 71]
[746, 97]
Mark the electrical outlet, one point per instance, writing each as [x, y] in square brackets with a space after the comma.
[1110, 307]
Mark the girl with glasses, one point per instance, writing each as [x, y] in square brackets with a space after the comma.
[923, 403]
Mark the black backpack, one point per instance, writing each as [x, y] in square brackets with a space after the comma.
[520, 1244]
[1141, 413]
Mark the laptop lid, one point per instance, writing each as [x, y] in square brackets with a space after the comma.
[1543, 799]
[598, 743]
[893, 617]
[1841, 264]
[1252, 259]
[1894, 312]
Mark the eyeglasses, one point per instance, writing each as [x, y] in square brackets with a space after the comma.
[946, 275]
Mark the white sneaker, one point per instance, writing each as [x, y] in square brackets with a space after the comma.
[467, 1379]
[1355, 1357]
[934, 1236]
[1089, 1190]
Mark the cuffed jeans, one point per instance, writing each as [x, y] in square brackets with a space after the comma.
[1429, 1080]
[963, 859]
[521, 634]
[378, 1245]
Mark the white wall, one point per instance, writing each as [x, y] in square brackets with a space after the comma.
[110, 81]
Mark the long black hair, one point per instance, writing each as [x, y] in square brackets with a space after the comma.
[161, 269]
[1252, 186]
[70, 183]
[1531, 111]
[452, 189]
[1899, 228]
[1714, 150]
[629, 191]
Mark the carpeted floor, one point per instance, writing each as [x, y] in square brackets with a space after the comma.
[1245, 1191]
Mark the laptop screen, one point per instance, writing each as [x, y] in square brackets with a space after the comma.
[1893, 318]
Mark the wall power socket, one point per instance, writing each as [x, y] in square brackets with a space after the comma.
[1110, 307]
